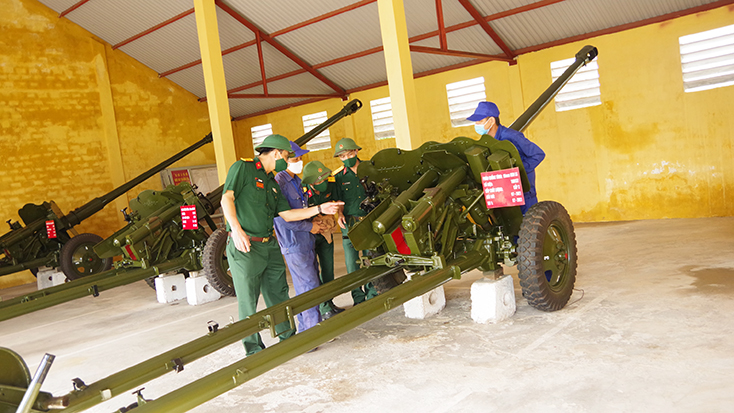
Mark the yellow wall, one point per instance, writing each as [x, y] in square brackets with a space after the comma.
[52, 134]
[649, 151]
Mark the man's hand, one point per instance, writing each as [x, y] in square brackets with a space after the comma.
[331, 208]
[241, 239]
[342, 221]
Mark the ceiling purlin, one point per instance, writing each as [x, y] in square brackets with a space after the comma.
[486, 27]
[72, 8]
[154, 28]
[280, 47]
[459, 53]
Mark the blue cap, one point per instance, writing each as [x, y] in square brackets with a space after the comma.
[484, 110]
[297, 151]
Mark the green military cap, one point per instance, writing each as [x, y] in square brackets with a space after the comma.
[314, 171]
[345, 144]
[276, 142]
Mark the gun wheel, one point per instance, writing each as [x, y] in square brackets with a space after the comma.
[547, 256]
[216, 267]
[14, 372]
[78, 259]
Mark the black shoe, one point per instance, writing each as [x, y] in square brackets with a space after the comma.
[327, 315]
[337, 310]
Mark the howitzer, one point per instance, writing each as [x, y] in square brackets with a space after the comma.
[426, 219]
[154, 242]
[30, 247]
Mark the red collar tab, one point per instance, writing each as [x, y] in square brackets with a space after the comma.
[258, 165]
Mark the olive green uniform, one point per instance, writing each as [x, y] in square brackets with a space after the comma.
[351, 191]
[324, 249]
[257, 201]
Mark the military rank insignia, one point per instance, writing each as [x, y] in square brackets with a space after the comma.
[259, 165]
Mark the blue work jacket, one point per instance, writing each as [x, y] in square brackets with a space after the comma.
[531, 156]
[293, 237]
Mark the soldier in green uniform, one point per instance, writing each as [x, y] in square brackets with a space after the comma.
[351, 192]
[320, 188]
[250, 201]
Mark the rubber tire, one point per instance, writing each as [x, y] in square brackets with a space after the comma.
[214, 262]
[389, 281]
[547, 284]
[72, 246]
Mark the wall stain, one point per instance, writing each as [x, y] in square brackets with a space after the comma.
[712, 280]
[619, 136]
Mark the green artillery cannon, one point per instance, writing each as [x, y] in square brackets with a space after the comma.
[33, 246]
[154, 242]
[425, 217]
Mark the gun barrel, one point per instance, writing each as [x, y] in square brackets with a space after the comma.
[347, 110]
[85, 211]
[584, 56]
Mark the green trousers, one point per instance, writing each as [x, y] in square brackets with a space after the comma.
[325, 254]
[260, 270]
[351, 256]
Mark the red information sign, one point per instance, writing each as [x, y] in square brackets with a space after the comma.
[502, 188]
[188, 217]
[181, 175]
[51, 229]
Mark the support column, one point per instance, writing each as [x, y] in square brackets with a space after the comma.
[216, 87]
[399, 73]
[109, 125]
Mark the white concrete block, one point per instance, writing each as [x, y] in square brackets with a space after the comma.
[426, 305]
[49, 277]
[169, 288]
[492, 301]
[198, 291]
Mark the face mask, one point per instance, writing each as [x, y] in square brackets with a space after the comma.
[281, 165]
[296, 167]
[480, 129]
[321, 187]
[350, 162]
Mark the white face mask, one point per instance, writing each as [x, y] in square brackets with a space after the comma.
[296, 167]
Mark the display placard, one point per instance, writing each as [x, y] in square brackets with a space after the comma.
[51, 229]
[181, 175]
[502, 188]
[188, 217]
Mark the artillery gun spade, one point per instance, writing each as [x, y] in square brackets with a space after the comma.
[154, 242]
[49, 238]
[427, 219]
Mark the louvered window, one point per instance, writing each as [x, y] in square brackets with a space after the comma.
[323, 139]
[582, 90]
[259, 133]
[463, 99]
[707, 59]
[382, 122]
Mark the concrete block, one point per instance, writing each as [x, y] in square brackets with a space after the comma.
[198, 291]
[49, 277]
[169, 288]
[492, 301]
[428, 304]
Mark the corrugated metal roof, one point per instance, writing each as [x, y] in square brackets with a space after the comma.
[345, 34]
[339, 36]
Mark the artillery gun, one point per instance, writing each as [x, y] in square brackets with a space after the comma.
[425, 218]
[155, 242]
[49, 239]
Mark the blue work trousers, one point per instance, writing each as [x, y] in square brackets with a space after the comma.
[305, 274]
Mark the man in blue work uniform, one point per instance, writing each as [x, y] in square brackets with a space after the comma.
[486, 120]
[296, 239]
[250, 202]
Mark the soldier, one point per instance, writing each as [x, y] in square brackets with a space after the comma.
[296, 239]
[320, 187]
[486, 120]
[250, 202]
[350, 191]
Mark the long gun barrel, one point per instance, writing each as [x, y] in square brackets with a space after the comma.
[85, 211]
[584, 56]
[347, 110]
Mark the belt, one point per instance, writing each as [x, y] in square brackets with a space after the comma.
[260, 239]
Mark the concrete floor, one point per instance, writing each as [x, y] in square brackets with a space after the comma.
[649, 330]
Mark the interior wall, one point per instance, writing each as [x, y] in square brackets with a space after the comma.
[649, 151]
[53, 140]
